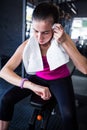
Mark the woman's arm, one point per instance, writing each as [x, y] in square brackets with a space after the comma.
[78, 59]
[64, 39]
[8, 74]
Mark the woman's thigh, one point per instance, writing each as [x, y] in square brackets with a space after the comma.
[62, 89]
[16, 94]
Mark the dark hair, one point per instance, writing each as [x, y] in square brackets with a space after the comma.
[45, 10]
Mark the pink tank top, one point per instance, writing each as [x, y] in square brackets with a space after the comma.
[60, 72]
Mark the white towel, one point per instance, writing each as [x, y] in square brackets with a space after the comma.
[32, 59]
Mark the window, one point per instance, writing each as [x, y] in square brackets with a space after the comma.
[29, 11]
[79, 28]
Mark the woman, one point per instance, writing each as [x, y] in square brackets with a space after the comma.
[45, 56]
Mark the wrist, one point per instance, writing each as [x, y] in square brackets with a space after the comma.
[22, 82]
[64, 38]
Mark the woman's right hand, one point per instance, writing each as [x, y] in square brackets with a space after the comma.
[42, 91]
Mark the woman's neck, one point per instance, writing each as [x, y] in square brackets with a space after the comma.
[44, 48]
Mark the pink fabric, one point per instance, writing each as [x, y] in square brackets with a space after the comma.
[60, 72]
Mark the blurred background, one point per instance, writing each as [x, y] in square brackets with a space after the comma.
[16, 26]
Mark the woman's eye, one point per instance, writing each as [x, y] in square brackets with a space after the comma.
[36, 31]
[46, 32]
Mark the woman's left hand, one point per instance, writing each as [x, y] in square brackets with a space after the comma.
[59, 33]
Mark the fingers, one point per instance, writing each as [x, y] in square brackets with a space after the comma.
[57, 27]
[58, 32]
[46, 95]
[43, 92]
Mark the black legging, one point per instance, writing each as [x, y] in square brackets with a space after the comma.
[62, 89]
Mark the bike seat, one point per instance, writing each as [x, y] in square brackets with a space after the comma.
[39, 103]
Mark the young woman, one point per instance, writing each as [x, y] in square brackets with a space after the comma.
[45, 56]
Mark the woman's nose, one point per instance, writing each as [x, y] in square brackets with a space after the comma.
[39, 36]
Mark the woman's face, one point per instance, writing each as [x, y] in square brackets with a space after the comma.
[42, 31]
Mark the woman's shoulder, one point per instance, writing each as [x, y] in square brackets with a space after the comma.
[25, 42]
[21, 47]
[29, 40]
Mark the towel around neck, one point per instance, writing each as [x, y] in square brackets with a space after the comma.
[32, 59]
